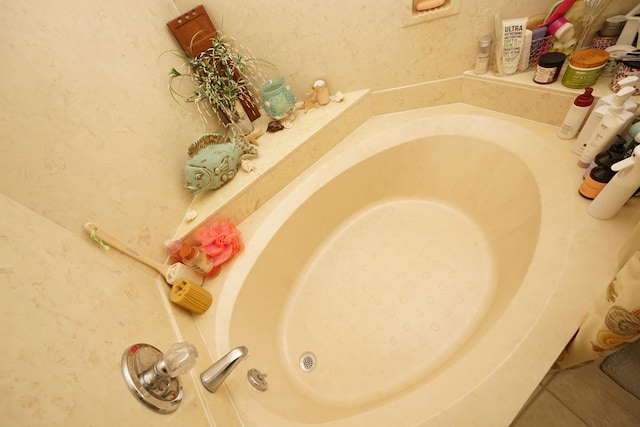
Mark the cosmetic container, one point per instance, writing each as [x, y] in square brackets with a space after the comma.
[619, 190]
[548, 68]
[482, 57]
[613, 122]
[196, 259]
[576, 115]
[598, 112]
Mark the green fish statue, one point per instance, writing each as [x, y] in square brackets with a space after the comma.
[213, 161]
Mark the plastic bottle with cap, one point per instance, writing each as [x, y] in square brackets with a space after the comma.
[322, 92]
[196, 259]
[613, 122]
[482, 58]
[598, 112]
[620, 189]
[599, 172]
[576, 115]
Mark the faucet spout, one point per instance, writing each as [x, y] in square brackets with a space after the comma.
[215, 375]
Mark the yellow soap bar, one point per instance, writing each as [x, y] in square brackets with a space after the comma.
[428, 4]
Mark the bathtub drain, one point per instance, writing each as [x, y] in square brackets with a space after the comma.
[307, 362]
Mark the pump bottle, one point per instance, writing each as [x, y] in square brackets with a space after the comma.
[613, 122]
[598, 112]
[576, 115]
[620, 189]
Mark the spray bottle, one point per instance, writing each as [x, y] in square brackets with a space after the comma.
[613, 122]
[620, 189]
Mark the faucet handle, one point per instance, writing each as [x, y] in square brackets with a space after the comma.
[179, 358]
[153, 377]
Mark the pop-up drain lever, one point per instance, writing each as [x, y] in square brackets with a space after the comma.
[257, 379]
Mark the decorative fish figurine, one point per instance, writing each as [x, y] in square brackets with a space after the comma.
[213, 161]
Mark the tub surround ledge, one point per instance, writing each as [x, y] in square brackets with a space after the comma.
[593, 243]
[281, 157]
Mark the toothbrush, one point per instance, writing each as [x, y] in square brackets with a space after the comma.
[171, 273]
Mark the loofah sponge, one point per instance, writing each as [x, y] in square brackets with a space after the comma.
[191, 296]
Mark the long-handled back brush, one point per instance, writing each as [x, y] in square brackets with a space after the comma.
[171, 273]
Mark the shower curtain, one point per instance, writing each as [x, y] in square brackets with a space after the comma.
[614, 318]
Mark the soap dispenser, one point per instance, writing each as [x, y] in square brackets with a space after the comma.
[598, 112]
[613, 122]
[620, 189]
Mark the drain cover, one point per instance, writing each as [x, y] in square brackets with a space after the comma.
[307, 362]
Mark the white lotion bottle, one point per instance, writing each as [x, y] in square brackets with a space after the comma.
[598, 112]
[614, 121]
[576, 115]
[620, 189]
[482, 57]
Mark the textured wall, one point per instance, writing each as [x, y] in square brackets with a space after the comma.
[88, 131]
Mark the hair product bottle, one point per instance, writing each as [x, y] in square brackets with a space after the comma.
[614, 121]
[598, 112]
[620, 189]
[576, 115]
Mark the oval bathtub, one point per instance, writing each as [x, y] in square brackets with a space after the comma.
[394, 276]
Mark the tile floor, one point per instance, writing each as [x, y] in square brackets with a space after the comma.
[583, 397]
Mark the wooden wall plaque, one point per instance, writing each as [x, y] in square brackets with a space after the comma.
[193, 31]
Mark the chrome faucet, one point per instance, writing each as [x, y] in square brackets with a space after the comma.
[215, 375]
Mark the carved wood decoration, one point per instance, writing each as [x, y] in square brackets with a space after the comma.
[193, 31]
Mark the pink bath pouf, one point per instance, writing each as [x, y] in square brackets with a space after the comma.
[221, 241]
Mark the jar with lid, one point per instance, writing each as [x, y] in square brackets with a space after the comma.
[609, 33]
[196, 259]
[322, 92]
[548, 68]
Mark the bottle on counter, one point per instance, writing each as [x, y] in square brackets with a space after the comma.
[482, 58]
[322, 92]
[196, 259]
[613, 122]
[620, 189]
[576, 115]
[598, 112]
[595, 182]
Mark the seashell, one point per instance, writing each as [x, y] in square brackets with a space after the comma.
[274, 126]
[338, 97]
[190, 216]
[247, 165]
[287, 124]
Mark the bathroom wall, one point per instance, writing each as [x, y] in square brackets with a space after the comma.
[359, 44]
[88, 131]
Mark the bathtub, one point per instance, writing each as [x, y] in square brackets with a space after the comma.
[394, 280]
